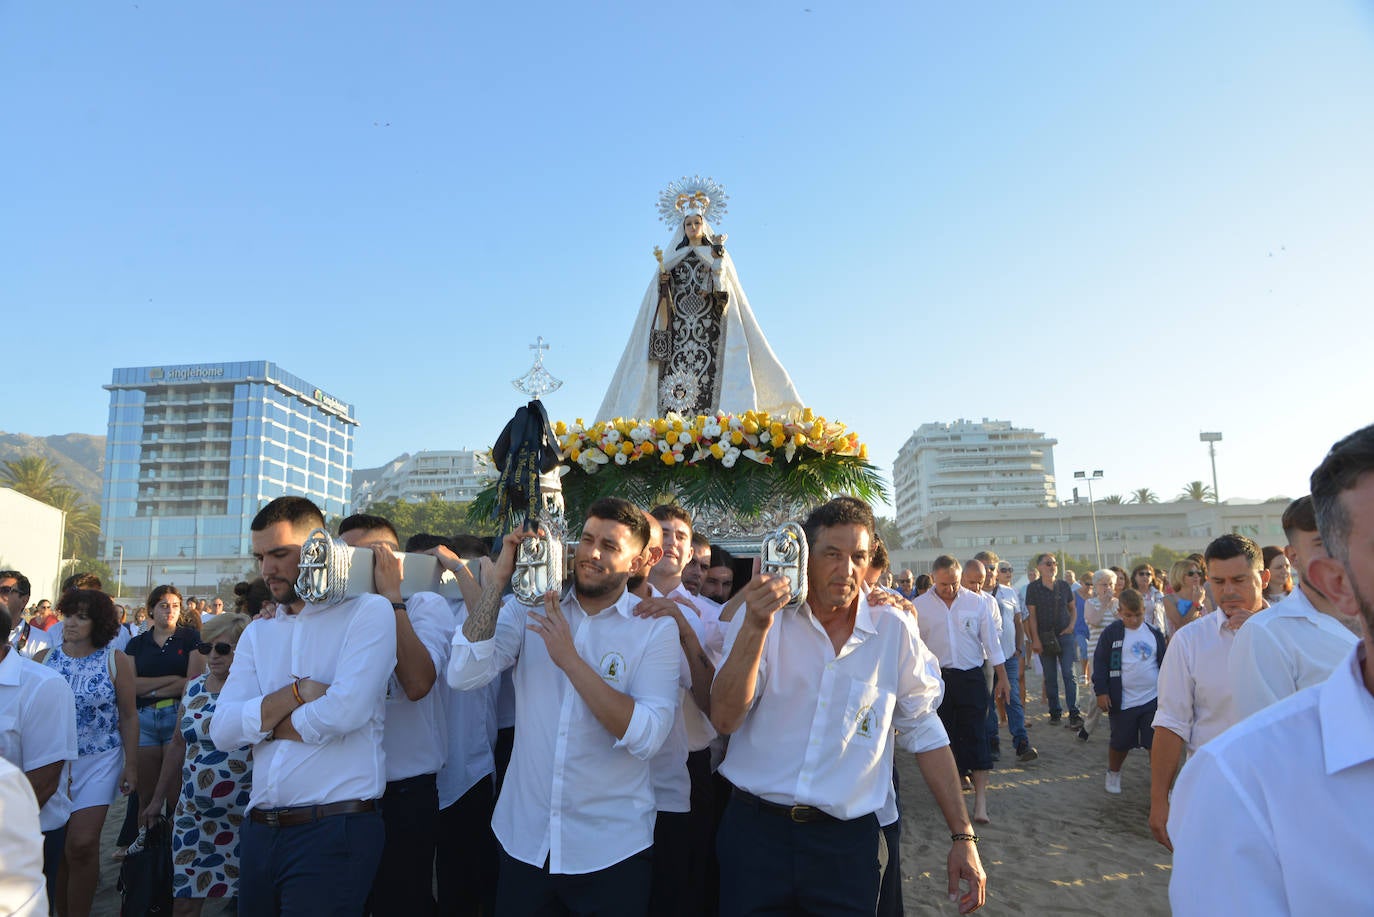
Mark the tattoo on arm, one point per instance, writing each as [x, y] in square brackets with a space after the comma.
[481, 622]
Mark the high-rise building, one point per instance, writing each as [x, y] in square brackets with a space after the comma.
[194, 451]
[947, 467]
[448, 475]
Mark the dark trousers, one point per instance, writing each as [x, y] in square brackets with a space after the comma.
[619, 890]
[324, 867]
[770, 864]
[467, 856]
[701, 867]
[53, 843]
[890, 889]
[1057, 667]
[671, 891]
[505, 744]
[964, 711]
[404, 883]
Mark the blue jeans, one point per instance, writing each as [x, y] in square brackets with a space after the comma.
[156, 725]
[1061, 666]
[1016, 714]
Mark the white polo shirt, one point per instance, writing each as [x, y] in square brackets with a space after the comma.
[38, 726]
[415, 733]
[1011, 612]
[351, 647]
[1272, 817]
[1290, 647]
[821, 725]
[1195, 700]
[963, 634]
[471, 729]
[574, 794]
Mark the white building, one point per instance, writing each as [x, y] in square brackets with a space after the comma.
[31, 541]
[450, 475]
[951, 467]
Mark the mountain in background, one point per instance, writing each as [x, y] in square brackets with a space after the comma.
[80, 457]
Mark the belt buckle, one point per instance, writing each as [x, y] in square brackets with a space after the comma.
[272, 818]
[799, 814]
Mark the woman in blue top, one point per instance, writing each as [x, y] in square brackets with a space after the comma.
[102, 678]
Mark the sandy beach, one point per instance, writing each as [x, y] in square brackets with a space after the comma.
[1058, 843]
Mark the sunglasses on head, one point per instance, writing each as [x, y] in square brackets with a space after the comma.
[224, 649]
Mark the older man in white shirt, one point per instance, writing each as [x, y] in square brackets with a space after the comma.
[810, 697]
[1195, 700]
[308, 691]
[596, 694]
[961, 626]
[1298, 642]
[1271, 818]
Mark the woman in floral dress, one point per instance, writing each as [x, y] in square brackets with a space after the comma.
[214, 784]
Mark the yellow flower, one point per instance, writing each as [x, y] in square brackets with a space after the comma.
[660, 426]
[717, 450]
[750, 425]
[669, 458]
[671, 437]
[560, 429]
[574, 453]
[610, 449]
[627, 447]
[736, 437]
[799, 439]
[863, 451]
[646, 447]
[808, 415]
[775, 431]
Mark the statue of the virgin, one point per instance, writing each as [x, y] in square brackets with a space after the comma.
[696, 347]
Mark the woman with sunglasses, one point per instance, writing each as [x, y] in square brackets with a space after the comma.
[1188, 601]
[102, 678]
[213, 785]
[161, 656]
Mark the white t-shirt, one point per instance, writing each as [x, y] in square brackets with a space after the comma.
[1139, 668]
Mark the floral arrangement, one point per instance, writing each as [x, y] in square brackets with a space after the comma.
[737, 463]
[720, 438]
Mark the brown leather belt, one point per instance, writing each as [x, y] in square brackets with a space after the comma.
[304, 815]
[799, 814]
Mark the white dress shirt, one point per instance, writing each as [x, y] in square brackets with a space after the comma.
[34, 639]
[415, 733]
[668, 767]
[574, 794]
[471, 729]
[23, 892]
[1272, 817]
[821, 726]
[963, 634]
[1195, 700]
[351, 647]
[1290, 647]
[38, 726]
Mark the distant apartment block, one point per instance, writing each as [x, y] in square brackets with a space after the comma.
[953, 467]
[192, 453]
[449, 475]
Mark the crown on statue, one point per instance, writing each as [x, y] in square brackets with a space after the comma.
[688, 197]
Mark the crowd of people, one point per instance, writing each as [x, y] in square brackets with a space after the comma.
[674, 732]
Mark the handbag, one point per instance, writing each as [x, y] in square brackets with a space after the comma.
[145, 878]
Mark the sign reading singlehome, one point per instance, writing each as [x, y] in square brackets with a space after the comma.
[329, 401]
[182, 373]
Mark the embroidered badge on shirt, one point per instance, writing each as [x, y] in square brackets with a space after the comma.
[613, 667]
[864, 723]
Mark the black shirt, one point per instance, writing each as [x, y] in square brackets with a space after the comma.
[1054, 608]
[153, 661]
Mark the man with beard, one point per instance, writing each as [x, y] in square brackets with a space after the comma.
[695, 572]
[1272, 816]
[307, 690]
[597, 691]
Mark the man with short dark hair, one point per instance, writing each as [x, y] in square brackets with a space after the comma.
[695, 572]
[413, 735]
[1299, 641]
[307, 691]
[1271, 816]
[1195, 699]
[719, 584]
[25, 637]
[597, 693]
[810, 696]
[1053, 614]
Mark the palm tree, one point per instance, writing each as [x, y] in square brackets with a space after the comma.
[1196, 491]
[83, 521]
[1114, 498]
[33, 476]
[1144, 495]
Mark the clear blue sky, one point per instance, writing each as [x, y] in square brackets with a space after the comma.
[1118, 225]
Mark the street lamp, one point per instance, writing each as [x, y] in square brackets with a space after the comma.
[119, 577]
[1096, 476]
[1211, 439]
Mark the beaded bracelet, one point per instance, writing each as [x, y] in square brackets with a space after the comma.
[965, 837]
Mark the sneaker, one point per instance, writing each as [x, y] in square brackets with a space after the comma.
[1024, 752]
[1114, 782]
[1054, 719]
[1082, 734]
[1075, 721]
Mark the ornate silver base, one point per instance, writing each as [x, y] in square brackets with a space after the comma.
[740, 534]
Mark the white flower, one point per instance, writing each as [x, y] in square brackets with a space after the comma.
[612, 436]
[730, 458]
[641, 433]
[663, 445]
[621, 458]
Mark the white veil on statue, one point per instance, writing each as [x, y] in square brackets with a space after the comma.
[750, 375]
